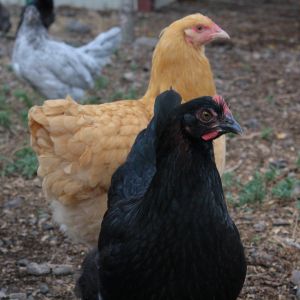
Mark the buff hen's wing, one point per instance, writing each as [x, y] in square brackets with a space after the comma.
[82, 145]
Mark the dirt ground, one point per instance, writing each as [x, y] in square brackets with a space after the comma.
[258, 72]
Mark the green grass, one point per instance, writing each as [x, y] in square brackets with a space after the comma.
[270, 99]
[253, 191]
[133, 66]
[91, 100]
[24, 117]
[24, 163]
[101, 83]
[266, 133]
[24, 98]
[228, 180]
[119, 95]
[284, 188]
[5, 120]
[271, 174]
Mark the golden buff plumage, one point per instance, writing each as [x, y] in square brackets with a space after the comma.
[80, 146]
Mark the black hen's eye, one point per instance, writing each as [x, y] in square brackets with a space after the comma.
[206, 116]
[199, 28]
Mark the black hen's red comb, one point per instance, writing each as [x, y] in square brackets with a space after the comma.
[221, 101]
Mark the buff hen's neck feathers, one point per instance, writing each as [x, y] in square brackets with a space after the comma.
[180, 64]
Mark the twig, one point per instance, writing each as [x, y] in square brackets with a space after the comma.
[235, 167]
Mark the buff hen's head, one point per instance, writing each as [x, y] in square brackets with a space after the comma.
[195, 29]
[179, 58]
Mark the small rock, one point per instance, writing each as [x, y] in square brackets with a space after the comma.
[296, 277]
[279, 163]
[260, 226]
[38, 269]
[261, 258]
[129, 76]
[252, 123]
[44, 289]
[256, 55]
[18, 296]
[281, 222]
[23, 262]
[47, 226]
[265, 151]
[62, 269]
[77, 27]
[145, 42]
[13, 203]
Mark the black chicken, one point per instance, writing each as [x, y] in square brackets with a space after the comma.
[4, 19]
[167, 234]
[45, 8]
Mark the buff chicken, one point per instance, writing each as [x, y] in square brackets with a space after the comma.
[80, 146]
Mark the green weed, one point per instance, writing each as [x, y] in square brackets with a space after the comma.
[5, 119]
[266, 133]
[131, 94]
[284, 188]
[117, 96]
[254, 191]
[228, 180]
[23, 97]
[92, 100]
[270, 99]
[271, 174]
[101, 83]
[24, 163]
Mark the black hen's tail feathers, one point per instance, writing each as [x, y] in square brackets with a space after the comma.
[87, 286]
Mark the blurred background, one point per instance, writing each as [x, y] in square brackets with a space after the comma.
[257, 71]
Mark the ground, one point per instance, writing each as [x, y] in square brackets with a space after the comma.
[258, 72]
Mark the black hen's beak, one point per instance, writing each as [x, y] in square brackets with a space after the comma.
[229, 124]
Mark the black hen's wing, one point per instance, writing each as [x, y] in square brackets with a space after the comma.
[131, 180]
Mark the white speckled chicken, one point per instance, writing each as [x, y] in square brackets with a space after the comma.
[54, 68]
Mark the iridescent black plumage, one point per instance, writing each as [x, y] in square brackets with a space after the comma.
[45, 8]
[173, 239]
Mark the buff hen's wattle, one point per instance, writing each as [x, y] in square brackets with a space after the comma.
[80, 146]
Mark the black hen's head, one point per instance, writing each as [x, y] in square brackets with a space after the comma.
[203, 119]
[207, 118]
